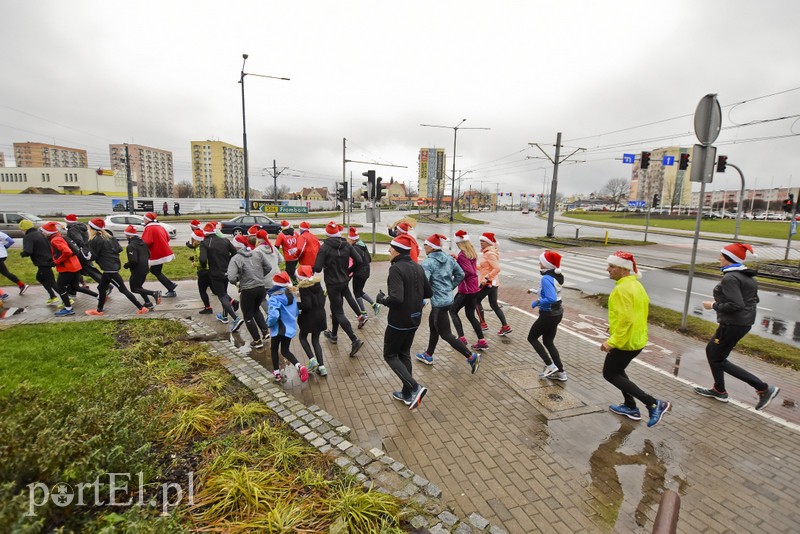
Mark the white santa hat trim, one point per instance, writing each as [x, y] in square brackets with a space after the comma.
[624, 263]
[461, 238]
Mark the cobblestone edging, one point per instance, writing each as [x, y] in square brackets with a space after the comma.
[372, 467]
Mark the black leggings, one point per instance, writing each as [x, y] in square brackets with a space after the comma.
[336, 295]
[317, 352]
[468, 302]
[155, 270]
[67, 283]
[44, 275]
[439, 325]
[281, 343]
[5, 272]
[491, 291]
[614, 372]
[358, 292]
[717, 351]
[291, 268]
[546, 327]
[219, 286]
[250, 301]
[397, 353]
[203, 285]
[115, 279]
[137, 281]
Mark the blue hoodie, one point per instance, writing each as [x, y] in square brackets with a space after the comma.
[282, 314]
[549, 293]
[444, 275]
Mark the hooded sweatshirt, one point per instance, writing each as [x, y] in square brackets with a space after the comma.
[270, 254]
[469, 284]
[334, 256]
[489, 266]
[312, 306]
[282, 314]
[248, 268]
[628, 306]
[36, 245]
[310, 248]
[444, 275]
[549, 302]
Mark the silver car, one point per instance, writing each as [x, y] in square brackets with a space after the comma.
[9, 222]
[116, 225]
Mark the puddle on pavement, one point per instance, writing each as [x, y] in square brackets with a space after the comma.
[626, 468]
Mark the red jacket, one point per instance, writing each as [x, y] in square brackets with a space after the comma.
[157, 240]
[310, 249]
[65, 260]
[290, 244]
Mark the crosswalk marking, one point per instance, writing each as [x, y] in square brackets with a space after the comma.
[577, 269]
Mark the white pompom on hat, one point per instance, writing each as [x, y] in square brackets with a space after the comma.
[352, 234]
[551, 260]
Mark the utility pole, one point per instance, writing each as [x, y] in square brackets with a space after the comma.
[554, 185]
[130, 183]
[274, 174]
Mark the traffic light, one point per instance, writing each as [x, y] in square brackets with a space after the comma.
[645, 160]
[341, 195]
[656, 199]
[722, 162]
[378, 189]
[788, 204]
[683, 164]
[370, 184]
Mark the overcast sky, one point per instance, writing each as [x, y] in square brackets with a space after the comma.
[88, 73]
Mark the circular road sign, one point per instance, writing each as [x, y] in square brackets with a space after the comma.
[708, 119]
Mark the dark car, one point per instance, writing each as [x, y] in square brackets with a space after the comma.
[239, 225]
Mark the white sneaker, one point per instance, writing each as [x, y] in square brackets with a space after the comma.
[548, 370]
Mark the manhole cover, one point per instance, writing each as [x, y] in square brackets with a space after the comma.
[555, 397]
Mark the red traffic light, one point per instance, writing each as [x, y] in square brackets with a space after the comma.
[645, 160]
[722, 162]
[683, 164]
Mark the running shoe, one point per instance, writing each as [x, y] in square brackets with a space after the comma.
[474, 361]
[237, 324]
[630, 413]
[5, 296]
[158, 299]
[376, 308]
[425, 358]
[277, 376]
[143, 310]
[303, 372]
[504, 330]
[170, 294]
[206, 311]
[713, 393]
[559, 375]
[330, 337]
[464, 341]
[96, 313]
[548, 370]
[23, 289]
[50, 302]
[257, 344]
[482, 344]
[321, 371]
[484, 326]
[657, 411]
[357, 344]
[222, 318]
[63, 312]
[362, 320]
[398, 396]
[766, 396]
[416, 396]
[312, 365]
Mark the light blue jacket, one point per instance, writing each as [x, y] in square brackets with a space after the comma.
[549, 294]
[444, 275]
[282, 313]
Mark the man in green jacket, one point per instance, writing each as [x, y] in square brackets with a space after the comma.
[627, 326]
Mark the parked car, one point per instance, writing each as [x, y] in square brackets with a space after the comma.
[116, 224]
[712, 215]
[728, 214]
[239, 225]
[9, 222]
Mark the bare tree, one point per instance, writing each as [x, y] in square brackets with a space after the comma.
[184, 189]
[616, 190]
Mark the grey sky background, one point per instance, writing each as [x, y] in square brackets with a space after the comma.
[88, 73]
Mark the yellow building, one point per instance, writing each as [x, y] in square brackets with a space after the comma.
[313, 193]
[671, 184]
[45, 155]
[217, 170]
[67, 180]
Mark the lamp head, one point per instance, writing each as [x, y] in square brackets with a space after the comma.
[244, 56]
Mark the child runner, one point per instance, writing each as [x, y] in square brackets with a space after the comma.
[282, 322]
[444, 275]
[138, 262]
[550, 314]
[270, 253]
[466, 297]
[68, 267]
[489, 269]
[37, 248]
[203, 279]
[5, 243]
[248, 269]
[312, 317]
[105, 251]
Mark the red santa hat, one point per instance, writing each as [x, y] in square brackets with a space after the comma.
[736, 252]
[131, 231]
[71, 218]
[488, 237]
[49, 228]
[240, 241]
[352, 234]
[551, 260]
[281, 279]
[253, 230]
[333, 230]
[435, 241]
[403, 228]
[209, 228]
[285, 225]
[402, 243]
[304, 226]
[198, 235]
[150, 216]
[304, 272]
[461, 236]
[624, 260]
[262, 235]
[194, 224]
[97, 223]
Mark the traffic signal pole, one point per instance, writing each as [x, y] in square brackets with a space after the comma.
[741, 201]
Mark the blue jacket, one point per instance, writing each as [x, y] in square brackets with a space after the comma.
[444, 275]
[282, 313]
[549, 298]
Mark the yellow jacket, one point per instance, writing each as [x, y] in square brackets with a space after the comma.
[628, 306]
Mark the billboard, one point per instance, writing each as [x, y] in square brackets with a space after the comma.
[431, 170]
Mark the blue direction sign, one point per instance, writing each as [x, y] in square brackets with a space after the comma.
[628, 158]
[637, 203]
[668, 161]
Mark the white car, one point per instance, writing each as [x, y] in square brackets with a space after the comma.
[116, 224]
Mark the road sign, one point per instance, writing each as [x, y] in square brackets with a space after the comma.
[420, 201]
[628, 158]
[668, 161]
[703, 168]
[707, 119]
[793, 227]
[637, 203]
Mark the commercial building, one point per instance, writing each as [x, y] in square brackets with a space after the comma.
[431, 171]
[65, 180]
[217, 170]
[151, 168]
[671, 184]
[44, 155]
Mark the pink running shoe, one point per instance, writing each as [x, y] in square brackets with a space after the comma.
[464, 341]
[303, 372]
[482, 344]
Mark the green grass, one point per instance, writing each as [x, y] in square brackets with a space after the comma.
[444, 217]
[759, 347]
[768, 229]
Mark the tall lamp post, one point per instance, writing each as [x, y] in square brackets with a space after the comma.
[244, 133]
[455, 137]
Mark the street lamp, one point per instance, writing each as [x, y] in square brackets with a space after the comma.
[455, 137]
[244, 133]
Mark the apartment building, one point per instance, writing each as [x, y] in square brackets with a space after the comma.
[671, 184]
[217, 169]
[44, 155]
[151, 168]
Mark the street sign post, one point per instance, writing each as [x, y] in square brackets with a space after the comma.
[668, 161]
[637, 203]
[628, 158]
[705, 158]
